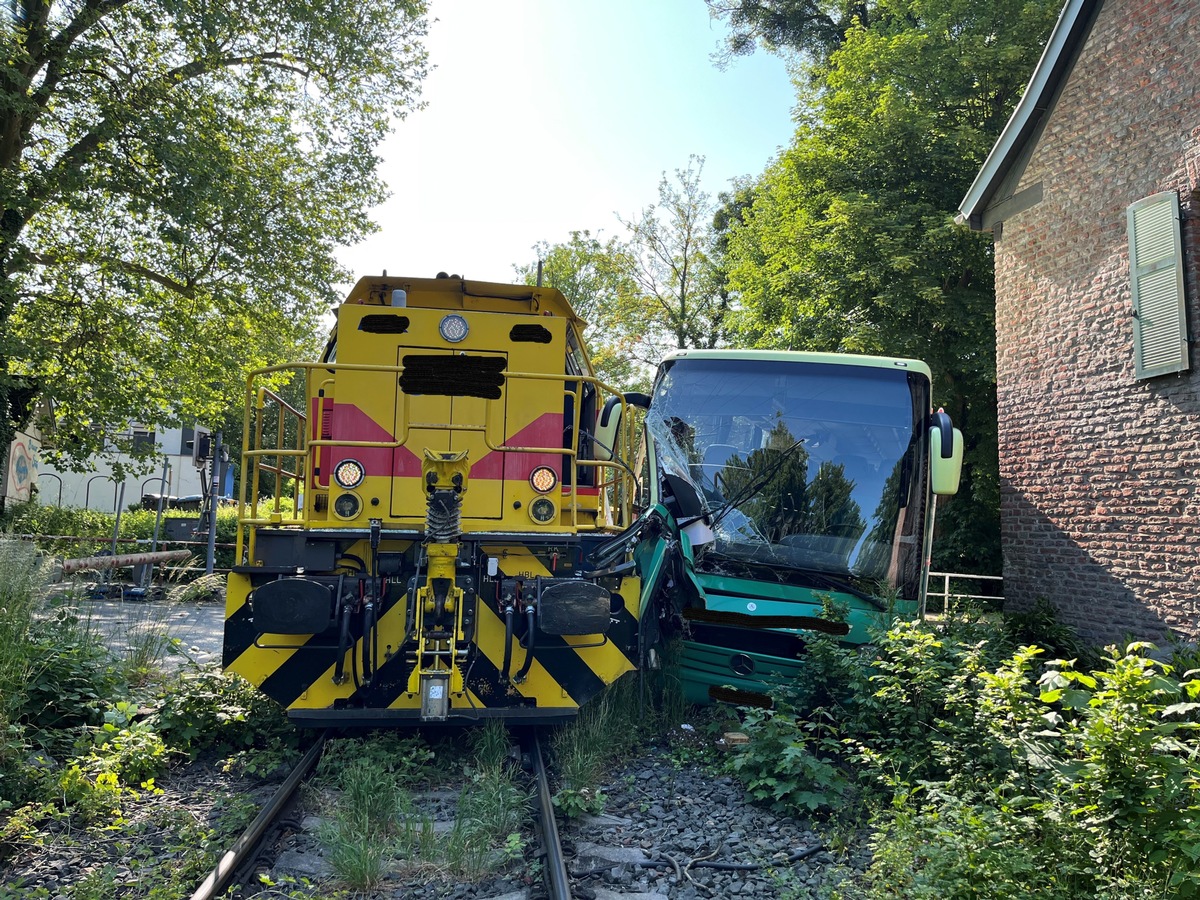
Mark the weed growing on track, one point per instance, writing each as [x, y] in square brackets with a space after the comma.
[490, 745]
[374, 824]
[607, 729]
[493, 809]
[370, 822]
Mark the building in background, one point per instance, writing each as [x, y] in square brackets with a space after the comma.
[1093, 195]
[21, 470]
[98, 489]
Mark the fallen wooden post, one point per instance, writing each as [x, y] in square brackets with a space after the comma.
[69, 566]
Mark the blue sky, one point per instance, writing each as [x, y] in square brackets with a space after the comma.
[546, 116]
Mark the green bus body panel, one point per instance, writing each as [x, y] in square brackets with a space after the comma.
[728, 594]
[703, 666]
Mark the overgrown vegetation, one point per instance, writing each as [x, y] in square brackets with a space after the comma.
[86, 735]
[33, 518]
[987, 767]
[375, 824]
[609, 729]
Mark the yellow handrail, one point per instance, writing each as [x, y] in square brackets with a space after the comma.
[615, 492]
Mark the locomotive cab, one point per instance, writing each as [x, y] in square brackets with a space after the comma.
[419, 526]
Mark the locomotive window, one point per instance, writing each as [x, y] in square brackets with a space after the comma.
[330, 354]
[576, 359]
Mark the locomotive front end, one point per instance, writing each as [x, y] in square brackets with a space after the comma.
[429, 529]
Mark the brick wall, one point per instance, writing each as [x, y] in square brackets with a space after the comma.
[1100, 473]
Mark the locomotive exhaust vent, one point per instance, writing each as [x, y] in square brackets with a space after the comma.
[530, 334]
[453, 376]
[383, 323]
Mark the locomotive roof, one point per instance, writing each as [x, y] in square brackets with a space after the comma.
[377, 289]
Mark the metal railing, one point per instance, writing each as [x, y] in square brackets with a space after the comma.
[949, 582]
[288, 453]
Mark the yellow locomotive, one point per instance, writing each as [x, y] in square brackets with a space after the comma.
[439, 530]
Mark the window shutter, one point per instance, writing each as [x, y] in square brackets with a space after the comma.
[1156, 270]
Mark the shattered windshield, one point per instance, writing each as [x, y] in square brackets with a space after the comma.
[806, 466]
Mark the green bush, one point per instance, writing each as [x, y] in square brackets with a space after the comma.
[71, 676]
[33, 518]
[790, 763]
[211, 712]
[984, 762]
[131, 750]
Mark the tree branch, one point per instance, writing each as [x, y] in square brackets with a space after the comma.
[73, 159]
[183, 289]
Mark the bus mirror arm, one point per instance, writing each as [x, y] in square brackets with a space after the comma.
[608, 424]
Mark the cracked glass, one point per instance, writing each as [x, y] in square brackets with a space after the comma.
[814, 471]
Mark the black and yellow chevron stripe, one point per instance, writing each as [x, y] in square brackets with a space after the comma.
[298, 671]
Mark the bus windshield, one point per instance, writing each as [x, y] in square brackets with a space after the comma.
[803, 466]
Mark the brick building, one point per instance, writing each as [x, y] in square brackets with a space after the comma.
[1093, 195]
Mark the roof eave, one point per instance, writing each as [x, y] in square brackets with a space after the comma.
[1051, 71]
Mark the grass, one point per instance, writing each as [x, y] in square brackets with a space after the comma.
[492, 811]
[608, 728]
[360, 839]
[375, 825]
[23, 574]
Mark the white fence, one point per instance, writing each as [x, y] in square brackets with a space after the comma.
[952, 587]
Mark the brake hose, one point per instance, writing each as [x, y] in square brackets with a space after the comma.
[531, 635]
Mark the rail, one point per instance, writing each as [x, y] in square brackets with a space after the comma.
[558, 883]
[953, 579]
[244, 846]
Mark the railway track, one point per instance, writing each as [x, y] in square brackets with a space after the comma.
[558, 883]
[237, 865]
[244, 851]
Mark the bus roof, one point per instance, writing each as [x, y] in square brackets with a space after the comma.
[801, 356]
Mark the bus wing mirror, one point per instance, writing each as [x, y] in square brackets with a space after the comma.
[945, 455]
[608, 423]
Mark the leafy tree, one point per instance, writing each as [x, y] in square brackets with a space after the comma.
[589, 274]
[174, 176]
[661, 289]
[680, 299]
[848, 242]
[815, 27]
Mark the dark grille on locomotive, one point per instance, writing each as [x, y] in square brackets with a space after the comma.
[384, 323]
[454, 376]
